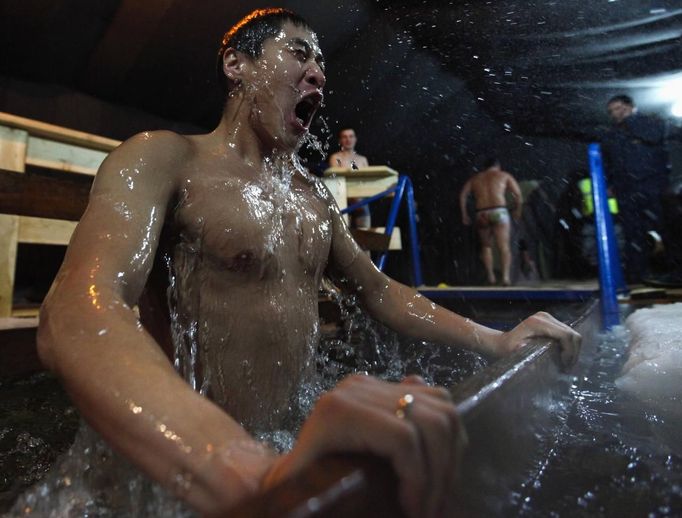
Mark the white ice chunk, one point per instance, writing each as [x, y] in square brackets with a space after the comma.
[653, 370]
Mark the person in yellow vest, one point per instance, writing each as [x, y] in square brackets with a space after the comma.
[585, 186]
[588, 245]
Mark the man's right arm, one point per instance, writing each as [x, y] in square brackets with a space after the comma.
[116, 374]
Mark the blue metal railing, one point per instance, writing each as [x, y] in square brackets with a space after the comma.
[610, 271]
[404, 186]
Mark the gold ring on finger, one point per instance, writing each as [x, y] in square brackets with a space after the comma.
[402, 410]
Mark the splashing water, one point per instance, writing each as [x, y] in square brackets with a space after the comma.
[363, 345]
[91, 479]
[313, 142]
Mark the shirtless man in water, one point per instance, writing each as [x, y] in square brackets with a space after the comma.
[249, 234]
[489, 188]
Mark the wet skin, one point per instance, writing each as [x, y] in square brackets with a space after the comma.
[489, 188]
[347, 159]
[254, 245]
[252, 235]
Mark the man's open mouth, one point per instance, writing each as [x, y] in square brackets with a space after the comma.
[306, 108]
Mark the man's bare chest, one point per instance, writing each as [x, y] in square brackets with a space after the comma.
[247, 227]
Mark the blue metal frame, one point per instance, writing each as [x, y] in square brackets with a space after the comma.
[610, 272]
[403, 186]
[548, 294]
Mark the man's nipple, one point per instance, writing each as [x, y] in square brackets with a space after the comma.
[243, 261]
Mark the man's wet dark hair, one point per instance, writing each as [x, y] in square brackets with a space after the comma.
[249, 34]
[621, 98]
[490, 162]
[345, 128]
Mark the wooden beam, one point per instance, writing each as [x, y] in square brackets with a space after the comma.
[63, 156]
[12, 157]
[370, 240]
[39, 231]
[396, 242]
[58, 133]
[9, 236]
[13, 144]
[44, 194]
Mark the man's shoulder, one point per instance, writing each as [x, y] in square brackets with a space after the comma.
[150, 152]
[334, 156]
[161, 144]
[317, 186]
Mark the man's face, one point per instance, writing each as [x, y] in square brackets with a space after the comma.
[619, 111]
[285, 86]
[347, 140]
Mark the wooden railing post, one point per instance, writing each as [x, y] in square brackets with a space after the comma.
[13, 143]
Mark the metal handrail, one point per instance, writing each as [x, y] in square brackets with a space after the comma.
[519, 390]
[610, 271]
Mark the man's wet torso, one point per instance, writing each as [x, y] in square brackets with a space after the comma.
[249, 250]
[488, 188]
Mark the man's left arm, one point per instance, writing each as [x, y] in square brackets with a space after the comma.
[408, 312]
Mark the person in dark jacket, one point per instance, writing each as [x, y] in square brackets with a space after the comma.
[637, 167]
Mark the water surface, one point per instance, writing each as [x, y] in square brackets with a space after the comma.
[611, 456]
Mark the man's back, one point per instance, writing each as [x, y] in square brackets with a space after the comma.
[489, 188]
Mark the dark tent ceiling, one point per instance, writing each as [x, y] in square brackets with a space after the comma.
[540, 67]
